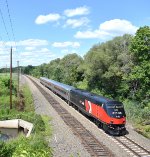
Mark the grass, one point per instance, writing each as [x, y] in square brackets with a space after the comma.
[27, 99]
[36, 145]
[138, 117]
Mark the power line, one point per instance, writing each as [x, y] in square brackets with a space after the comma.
[11, 24]
[4, 24]
[10, 20]
[2, 41]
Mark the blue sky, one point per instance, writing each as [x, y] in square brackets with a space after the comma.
[48, 29]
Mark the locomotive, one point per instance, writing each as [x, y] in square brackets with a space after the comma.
[108, 114]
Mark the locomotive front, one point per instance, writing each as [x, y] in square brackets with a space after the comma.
[117, 120]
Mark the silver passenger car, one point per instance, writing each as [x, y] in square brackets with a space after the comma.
[61, 89]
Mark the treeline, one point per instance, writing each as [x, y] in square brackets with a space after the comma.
[119, 68]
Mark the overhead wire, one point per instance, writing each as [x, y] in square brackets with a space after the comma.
[4, 24]
[10, 21]
[11, 25]
[10, 34]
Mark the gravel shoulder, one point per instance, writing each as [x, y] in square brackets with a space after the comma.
[63, 141]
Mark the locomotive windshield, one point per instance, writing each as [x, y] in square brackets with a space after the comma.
[115, 110]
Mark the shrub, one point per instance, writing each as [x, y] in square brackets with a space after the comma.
[6, 150]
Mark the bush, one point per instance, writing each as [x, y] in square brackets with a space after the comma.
[139, 116]
[6, 150]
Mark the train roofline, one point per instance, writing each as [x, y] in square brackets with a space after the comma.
[93, 95]
[64, 86]
[81, 91]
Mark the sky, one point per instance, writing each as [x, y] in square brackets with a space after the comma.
[42, 30]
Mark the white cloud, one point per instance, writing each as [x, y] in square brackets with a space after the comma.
[29, 43]
[32, 42]
[78, 11]
[30, 51]
[77, 22]
[36, 57]
[66, 44]
[10, 43]
[118, 26]
[67, 51]
[4, 57]
[42, 52]
[92, 34]
[42, 19]
[109, 29]
[4, 50]
[30, 48]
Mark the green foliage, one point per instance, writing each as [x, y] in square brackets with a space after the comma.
[138, 79]
[66, 70]
[138, 116]
[33, 146]
[5, 91]
[4, 85]
[105, 65]
[36, 145]
[70, 64]
[82, 84]
[6, 150]
[27, 98]
[28, 69]
[140, 46]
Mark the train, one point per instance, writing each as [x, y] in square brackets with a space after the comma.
[108, 114]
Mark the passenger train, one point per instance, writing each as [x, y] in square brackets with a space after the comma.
[108, 114]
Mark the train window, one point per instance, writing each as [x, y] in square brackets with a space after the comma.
[115, 110]
[62, 91]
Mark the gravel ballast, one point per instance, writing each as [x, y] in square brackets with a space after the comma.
[63, 141]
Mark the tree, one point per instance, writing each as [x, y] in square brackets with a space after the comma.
[106, 63]
[27, 70]
[140, 47]
[70, 64]
[139, 78]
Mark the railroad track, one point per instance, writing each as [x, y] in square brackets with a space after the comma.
[91, 144]
[132, 147]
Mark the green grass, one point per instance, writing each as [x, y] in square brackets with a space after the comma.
[37, 144]
[28, 99]
[138, 117]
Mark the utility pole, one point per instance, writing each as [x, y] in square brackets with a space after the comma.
[6, 70]
[18, 79]
[11, 78]
[20, 71]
